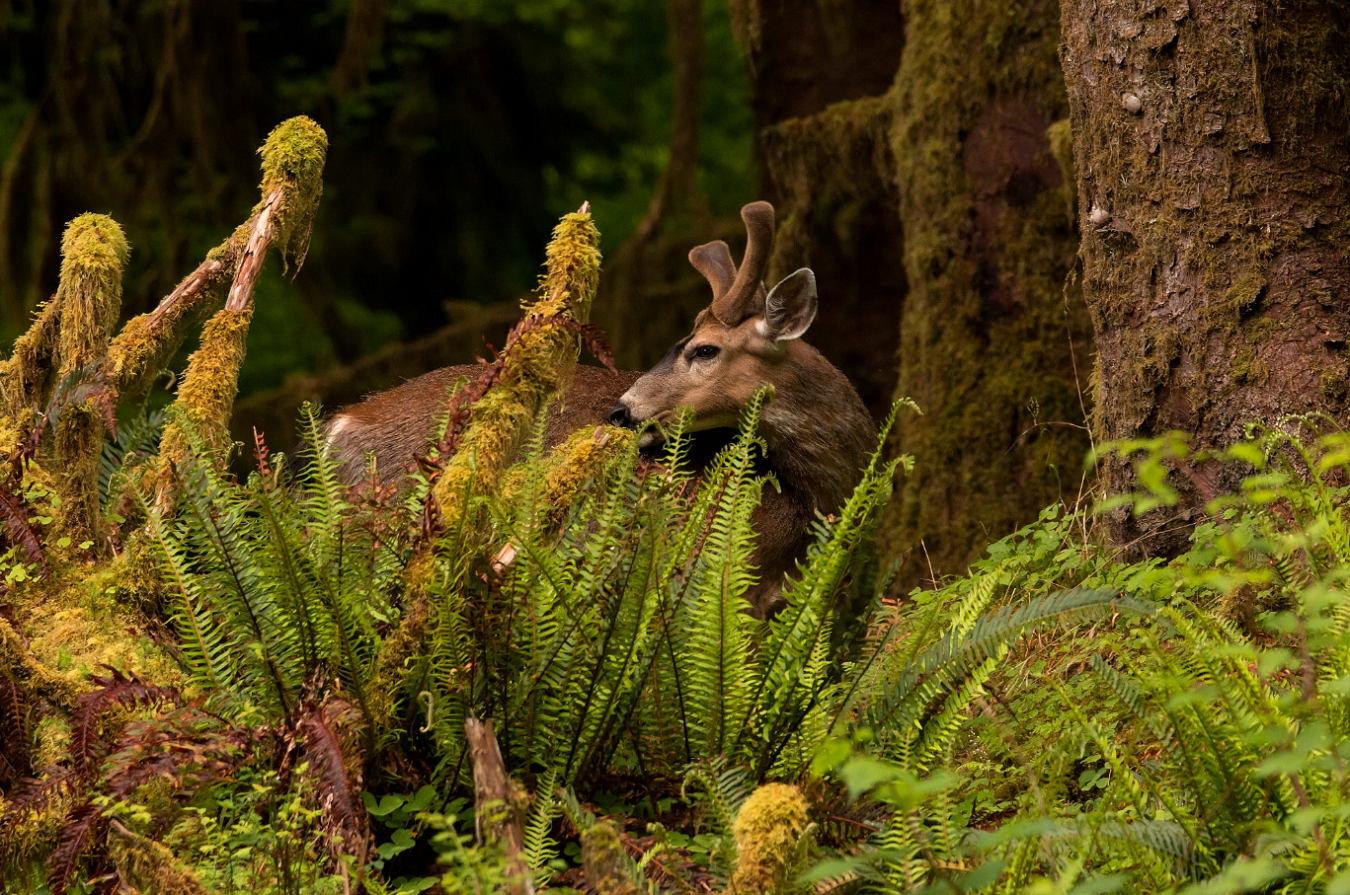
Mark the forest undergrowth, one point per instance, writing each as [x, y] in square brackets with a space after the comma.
[530, 667]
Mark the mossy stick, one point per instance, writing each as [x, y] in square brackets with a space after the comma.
[94, 253]
[539, 362]
[27, 373]
[292, 163]
[499, 802]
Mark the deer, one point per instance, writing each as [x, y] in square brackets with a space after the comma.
[817, 432]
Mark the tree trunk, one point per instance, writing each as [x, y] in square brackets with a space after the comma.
[1212, 152]
[992, 326]
[936, 215]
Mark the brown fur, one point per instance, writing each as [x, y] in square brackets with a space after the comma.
[819, 434]
[397, 425]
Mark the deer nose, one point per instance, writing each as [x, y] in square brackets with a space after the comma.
[620, 416]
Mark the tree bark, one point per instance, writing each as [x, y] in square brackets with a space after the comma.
[992, 328]
[1212, 154]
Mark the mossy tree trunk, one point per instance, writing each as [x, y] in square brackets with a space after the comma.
[1213, 149]
[992, 326]
[935, 210]
[822, 75]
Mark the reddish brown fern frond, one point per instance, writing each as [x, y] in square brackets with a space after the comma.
[80, 837]
[17, 520]
[187, 748]
[343, 812]
[117, 689]
[15, 757]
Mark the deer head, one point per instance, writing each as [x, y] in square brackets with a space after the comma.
[744, 340]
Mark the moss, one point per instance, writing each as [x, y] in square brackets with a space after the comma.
[567, 467]
[293, 157]
[1248, 368]
[206, 397]
[604, 860]
[26, 374]
[1332, 383]
[404, 643]
[994, 338]
[1060, 135]
[826, 167]
[538, 365]
[32, 676]
[768, 830]
[94, 252]
[148, 866]
[1243, 295]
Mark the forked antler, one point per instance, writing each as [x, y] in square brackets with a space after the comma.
[733, 305]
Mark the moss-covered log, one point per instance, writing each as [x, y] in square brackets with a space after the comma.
[1212, 143]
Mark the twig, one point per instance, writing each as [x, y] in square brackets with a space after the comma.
[498, 798]
[250, 265]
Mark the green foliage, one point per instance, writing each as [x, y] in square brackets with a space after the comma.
[1199, 743]
[622, 643]
[277, 585]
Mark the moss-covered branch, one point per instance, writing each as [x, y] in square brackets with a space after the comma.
[292, 162]
[94, 253]
[538, 364]
[293, 158]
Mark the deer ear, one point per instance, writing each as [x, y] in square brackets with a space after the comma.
[791, 306]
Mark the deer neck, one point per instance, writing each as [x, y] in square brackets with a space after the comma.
[818, 432]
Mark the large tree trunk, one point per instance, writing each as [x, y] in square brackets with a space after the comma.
[822, 75]
[936, 213]
[992, 323]
[1213, 144]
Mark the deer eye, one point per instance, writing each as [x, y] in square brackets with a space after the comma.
[703, 352]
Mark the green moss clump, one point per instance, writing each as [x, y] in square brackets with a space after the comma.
[768, 830]
[567, 467]
[603, 857]
[1244, 294]
[94, 253]
[149, 866]
[206, 397]
[293, 157]
[27, 372]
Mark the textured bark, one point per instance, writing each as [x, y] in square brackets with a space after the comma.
[1212, 153]
[822, 72]
[990, 329]
[500, 803]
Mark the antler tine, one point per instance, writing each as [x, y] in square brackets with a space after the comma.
[731, 307]
[713, 260]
